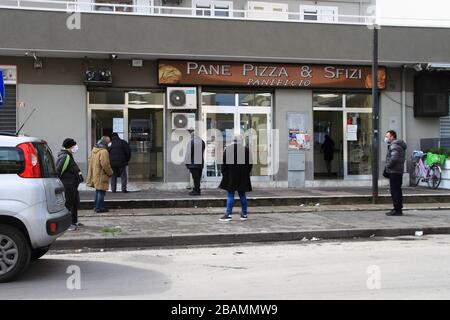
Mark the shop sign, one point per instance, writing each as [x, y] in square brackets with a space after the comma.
[176, 72]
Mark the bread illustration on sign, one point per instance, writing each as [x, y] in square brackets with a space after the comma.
[169, 74]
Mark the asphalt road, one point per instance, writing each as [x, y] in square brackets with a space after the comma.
[387, 268]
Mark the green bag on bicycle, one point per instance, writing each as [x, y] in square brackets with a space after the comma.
[433, 158]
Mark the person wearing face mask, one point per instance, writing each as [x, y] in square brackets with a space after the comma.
[71, 177]
[395, 166]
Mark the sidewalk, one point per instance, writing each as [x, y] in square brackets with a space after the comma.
[200, 226]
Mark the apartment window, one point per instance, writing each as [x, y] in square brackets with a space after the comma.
[267, 10]
[212, 8]
[319, 13]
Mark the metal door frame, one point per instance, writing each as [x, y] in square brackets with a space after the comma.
[237, 111]
[124, 108]
[345, 112]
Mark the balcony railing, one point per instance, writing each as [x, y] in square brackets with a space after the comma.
[84, 6]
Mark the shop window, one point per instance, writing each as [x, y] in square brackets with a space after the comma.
[106, 97]
[145, 98]
[218, 99]
[258, 99]
[328, 100]
[212, 8]
[319, 13]
[358, 100]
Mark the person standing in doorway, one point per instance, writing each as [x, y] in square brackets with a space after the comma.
[99, 172]
[120, 155]
[328, 148]
[395, 166]
[195, 161]
[236, 170]
[70, 175]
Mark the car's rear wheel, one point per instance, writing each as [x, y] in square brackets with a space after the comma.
[39, 252]
[15, 253]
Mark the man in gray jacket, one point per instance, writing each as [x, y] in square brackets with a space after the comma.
[395, 166]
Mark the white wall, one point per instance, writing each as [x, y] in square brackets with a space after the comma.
[60, 113]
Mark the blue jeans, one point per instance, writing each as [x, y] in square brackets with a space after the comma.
[230, 202]
[99, 199]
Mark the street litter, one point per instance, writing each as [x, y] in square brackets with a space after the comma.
[315, 239]
[317, 204]
[419, 233]
[304, 239]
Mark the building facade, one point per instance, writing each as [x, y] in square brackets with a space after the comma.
[284, 74]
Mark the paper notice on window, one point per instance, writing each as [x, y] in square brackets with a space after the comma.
[352, 128]
[352, 136]
[118, 125]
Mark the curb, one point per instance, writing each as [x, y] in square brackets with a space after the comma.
[236, 238]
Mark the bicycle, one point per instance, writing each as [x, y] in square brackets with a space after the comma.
[423, 173]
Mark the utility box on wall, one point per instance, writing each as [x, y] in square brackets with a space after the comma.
[296, 169]
[299, 142]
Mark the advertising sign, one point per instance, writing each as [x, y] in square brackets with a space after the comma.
[176, 72]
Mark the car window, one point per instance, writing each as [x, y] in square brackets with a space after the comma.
[48, 169]
[11, 160]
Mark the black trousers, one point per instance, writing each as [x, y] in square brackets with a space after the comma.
[119, 172]
[395, 185]
[72, 200]
[196, 176]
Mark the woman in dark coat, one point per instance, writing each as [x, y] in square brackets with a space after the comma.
[328, 151]
[71, 177]
[236, 169]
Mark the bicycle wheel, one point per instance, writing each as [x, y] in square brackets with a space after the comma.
[417, 175]
[435, 176]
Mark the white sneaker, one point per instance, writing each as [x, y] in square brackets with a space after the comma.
[72, 228]
[225, 218]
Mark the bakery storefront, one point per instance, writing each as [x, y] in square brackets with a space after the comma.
[283, 111]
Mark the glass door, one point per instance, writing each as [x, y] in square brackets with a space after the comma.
[104, 123]
[219, 129]
[255, 128]
[145, 136]
[137, 117]
[358, 136]
[347, 120]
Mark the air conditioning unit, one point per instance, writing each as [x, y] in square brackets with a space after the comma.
[183, 121]
[267, 10]
[182, 98]
[98, 77]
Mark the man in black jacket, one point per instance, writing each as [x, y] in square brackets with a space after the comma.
[119, 156]
[195, 161]
[395, 166]
[71, 177]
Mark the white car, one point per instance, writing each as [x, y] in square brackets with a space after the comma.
[32, 203]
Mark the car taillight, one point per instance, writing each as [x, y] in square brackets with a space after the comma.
[32, 167]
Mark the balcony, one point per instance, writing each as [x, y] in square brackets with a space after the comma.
[141, 29]
[253, 10]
